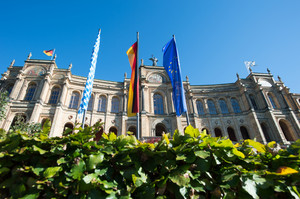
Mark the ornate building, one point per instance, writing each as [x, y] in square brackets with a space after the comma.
[255, 107]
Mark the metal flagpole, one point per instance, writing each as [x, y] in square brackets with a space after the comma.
[138, 76]
[53, 54]
[83, 118]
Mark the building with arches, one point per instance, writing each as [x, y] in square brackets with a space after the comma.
[257, 106]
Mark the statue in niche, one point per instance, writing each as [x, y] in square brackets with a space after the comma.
[154, 60]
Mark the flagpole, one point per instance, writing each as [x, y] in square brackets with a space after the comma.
[53, 54]
[138, 76]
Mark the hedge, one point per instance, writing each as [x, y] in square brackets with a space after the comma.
[190, 165]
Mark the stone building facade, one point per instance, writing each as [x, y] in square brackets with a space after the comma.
[257, 106]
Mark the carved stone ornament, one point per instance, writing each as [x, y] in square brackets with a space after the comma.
[70, 117]
[241, 121]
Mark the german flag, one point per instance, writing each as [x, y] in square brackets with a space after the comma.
[133, 96]
[48, 52]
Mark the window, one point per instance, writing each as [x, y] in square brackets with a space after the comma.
[272, 100]
[286, 130]
[211, 107]
[158, 104]
[200, 107]
[30, 92]
[91, 102]
[235, 105]
[54, 95]
[74, 100]
[102, 104]
[9, 88]
[253, 102]
[223, 106]
[115, 105]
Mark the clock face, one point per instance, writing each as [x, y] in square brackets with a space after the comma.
[36, 71]
[155, 78]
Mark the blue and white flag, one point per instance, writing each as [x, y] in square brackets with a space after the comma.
[90, 79]
[172, 66]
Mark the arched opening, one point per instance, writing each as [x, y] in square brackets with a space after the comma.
[223, 106]
[54, 95]
[158, 104]
[132, 129]
[68, 128]
[266, 132]
[9, 89]
[253, 102]
[205, 129]
[200, 108]
[244, 132]
[91, 103]
[211, 107]
[160, 129]
[286, 130]
[235, 105]
[218, 132]
[98, 135]
[114, 130]
[19, 118]
[231, 134]
[30, 92]
[102, 103]
[74, 102]
[273, 103]
[43, 121]
[115, 105]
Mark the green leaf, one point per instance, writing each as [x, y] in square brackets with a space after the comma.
[61, 161]
[112, 136]
[51, 171]
[250, 187]
[258, 146]
[94, 160]
[78, 169]
[180, 179]
[202, 154]
[4, 170]
[41, 151]
[191, 131]
[238, 153]
[37, 170]
[31, 196]
[88, 178]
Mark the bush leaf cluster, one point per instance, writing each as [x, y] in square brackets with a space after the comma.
[190, 165]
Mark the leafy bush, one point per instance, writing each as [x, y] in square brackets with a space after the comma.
[193, 165]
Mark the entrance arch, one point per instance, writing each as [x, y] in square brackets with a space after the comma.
[244, 132]
[218, 132]
[132, 129]
[266, 132]
[114, 130]
[285, 127]
[231, 134]
[68, 125]
[159, 129]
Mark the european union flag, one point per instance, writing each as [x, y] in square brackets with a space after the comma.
[172, 66]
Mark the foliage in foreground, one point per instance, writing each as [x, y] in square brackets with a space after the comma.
[193, 165]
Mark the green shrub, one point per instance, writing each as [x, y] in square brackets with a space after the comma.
[193, 165]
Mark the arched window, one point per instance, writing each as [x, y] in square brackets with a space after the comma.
[218, 132]
[211, 107]
[114, 130]
[253, 102]
[54, 95]
[223, 106]
[102, 103]
[30, 92]
[158, 104]
[115, 105]
[9, 88]
[286, 130]
[272, 101]
[91, 102]
[244, 132]
[74, 102]
[67, 126]
[200, 107]
[98, 135]
[160, 129]
[235, 105]
[266, 132]
[231, 134]
[132, 129]
[17, 120]
[205, 129]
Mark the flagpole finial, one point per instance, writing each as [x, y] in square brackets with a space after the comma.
[268, 70]
[173, 36]
[28, 57]
[54, 57]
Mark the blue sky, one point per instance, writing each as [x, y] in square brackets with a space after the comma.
[214, 37]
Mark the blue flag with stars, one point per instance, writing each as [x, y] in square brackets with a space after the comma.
[172, 66]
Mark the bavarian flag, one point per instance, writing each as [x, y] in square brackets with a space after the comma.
[48, 52]
[133, 95]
